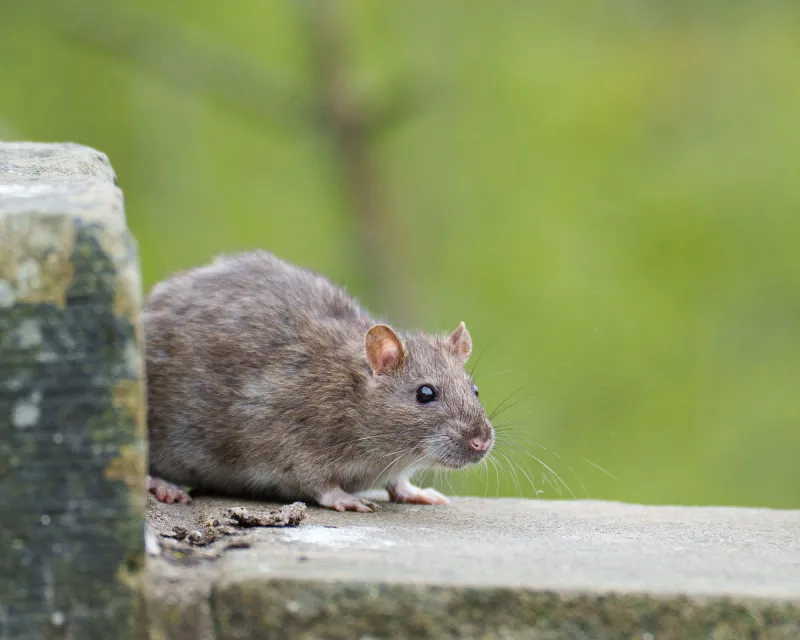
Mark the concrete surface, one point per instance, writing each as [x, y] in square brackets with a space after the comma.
[514, 568]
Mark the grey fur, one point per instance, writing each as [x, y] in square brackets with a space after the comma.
[258, 386]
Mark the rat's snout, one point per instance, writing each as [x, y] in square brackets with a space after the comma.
[479, 444]
[464, 443]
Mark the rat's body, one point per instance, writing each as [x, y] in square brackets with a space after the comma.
[267, 380]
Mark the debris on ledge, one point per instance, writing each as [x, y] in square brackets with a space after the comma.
[289, 516]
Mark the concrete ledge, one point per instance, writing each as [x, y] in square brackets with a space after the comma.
[494, 568]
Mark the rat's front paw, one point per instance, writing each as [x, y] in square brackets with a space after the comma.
[404, 491]
[339, 500]
[166, 491]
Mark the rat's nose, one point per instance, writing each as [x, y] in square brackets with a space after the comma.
[479, 444]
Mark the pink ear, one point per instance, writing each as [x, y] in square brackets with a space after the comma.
[460, 342]
[383, 349]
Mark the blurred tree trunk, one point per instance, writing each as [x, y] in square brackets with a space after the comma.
[350, 122]
[353, 126]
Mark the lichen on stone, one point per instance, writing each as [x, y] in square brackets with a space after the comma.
[35, 262]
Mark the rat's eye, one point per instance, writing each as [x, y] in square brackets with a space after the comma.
[426, 393]
[475, 390]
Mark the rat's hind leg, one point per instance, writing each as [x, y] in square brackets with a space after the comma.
[166, 491]
[401, 490]
[339, 500]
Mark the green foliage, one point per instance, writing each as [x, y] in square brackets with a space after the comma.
[605, 193]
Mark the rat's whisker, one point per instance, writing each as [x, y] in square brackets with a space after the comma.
[419, 459]
[528, 453]
[495, 464]
[490, 465]
[509, 396]
[511, 423]
[511, 432]
[439, 478]
[548, 479]
[450, 483]
[514, 437]
[501, 373]
[494, 411]
[579, 480]
[394, 461]
[448, 460]
[514, 472]
[515, 465]
[608, 431]
[499, 412]
[515, 426]
[530, 480]
[608, 473]
[499, 468]
[480, 356]
[485, 466]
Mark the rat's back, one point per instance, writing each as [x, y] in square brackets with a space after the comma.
[230, 347]
[255, 282]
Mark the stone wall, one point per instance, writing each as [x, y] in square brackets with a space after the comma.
[72, 416]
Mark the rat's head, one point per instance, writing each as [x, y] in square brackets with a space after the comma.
[427, 398]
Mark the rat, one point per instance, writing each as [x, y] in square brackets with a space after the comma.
[267, 380]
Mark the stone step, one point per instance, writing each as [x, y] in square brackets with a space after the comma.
[489, 568]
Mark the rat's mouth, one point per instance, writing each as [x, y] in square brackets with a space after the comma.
[452, 464]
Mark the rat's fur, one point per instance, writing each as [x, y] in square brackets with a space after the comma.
[259, 384]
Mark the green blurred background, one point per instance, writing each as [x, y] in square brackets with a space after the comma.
[607, 193]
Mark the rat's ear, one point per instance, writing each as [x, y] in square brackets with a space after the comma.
[460, 342]
[384, 350]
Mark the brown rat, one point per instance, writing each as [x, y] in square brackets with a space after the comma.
[265, 379]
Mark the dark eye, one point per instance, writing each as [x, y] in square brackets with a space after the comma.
[475, 389]
[426, 393]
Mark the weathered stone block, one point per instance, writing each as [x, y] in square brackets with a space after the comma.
[72, 412]
[484, 568]
[332, 609]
